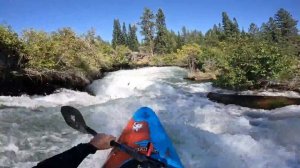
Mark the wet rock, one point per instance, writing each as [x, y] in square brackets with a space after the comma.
[252, 101]
[15, 83]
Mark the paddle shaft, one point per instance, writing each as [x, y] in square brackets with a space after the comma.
[127, 149]
[90, 131]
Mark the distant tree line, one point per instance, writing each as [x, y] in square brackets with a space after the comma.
[241, 59]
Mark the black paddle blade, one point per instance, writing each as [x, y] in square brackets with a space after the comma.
[74, 118]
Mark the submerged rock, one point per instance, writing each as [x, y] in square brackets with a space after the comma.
[252, 101]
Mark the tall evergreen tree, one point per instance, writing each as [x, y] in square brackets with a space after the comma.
[212, 36]
[218, 30]
[160, 19]
[270, 31]
[227, 24]
[253, 29]
[184, 34]
[161, 40]
[172, 41]
[124, 37]
[231, 28]
[243, 33]
[286, 23]
[117, 34]
[194, 37]
[147, 26]
[179, 41]
[235, 27]
[133, 42]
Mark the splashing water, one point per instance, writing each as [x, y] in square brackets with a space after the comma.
[205, 134]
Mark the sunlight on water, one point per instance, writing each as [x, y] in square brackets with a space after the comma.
[205, 134]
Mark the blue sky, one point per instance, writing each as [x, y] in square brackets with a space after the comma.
[81, 15]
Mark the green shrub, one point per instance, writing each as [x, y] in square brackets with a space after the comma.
[12, 54]
[121, 54]
[249, 63]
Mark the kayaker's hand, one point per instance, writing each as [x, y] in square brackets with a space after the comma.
[102, 141]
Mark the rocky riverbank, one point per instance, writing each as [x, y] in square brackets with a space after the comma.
[254, 101]
[37, 82]
[15, 83]
[33, 82]
[251, 101]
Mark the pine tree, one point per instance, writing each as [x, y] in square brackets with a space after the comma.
[133, 42]
[231, 28]
[179, 41]
[184, 34]
[253, 30]
[212, 36]
[286, 23]
[172, 41]
[235, 27]
[124, 37]
[270, 31]
[117, 34]
[161, 42]
[243, 33]
[227, 23]
[147, 26]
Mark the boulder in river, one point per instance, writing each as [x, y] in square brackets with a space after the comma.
[254, 101]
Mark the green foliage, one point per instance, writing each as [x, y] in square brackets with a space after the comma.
[133, 42]
[172, 43]
[270, 32]
[164, 42]
[249, 63]
[213, 36]
[253, 30]
[161, 40]
[286, 24]
[124, 36]
[64, 50]
[41, 49]
[120, 56]
[118, 36]
[147, 29]
[166, 59]
[212, 59]
[191, 55]
[11, 49]
[190, 37]
[281, 28]
[230, 27]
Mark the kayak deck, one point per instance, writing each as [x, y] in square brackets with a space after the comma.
[145, 134]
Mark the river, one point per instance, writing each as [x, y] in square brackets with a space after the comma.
[204, 133]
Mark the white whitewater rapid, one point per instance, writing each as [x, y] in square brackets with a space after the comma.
[205, 134]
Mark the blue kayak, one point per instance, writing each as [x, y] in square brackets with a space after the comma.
[145, 134]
